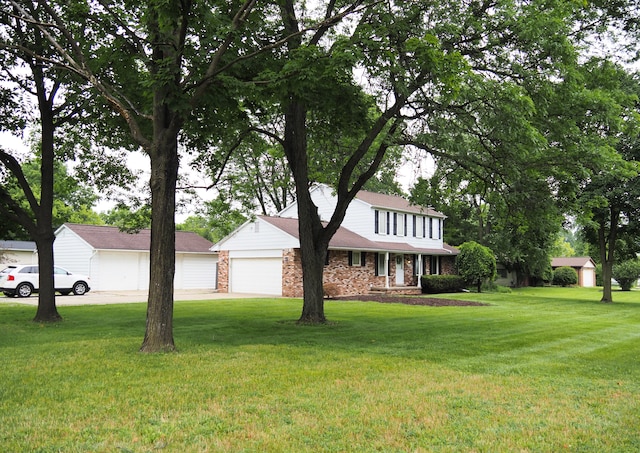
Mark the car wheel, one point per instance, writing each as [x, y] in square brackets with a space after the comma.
[80, 288]
[24, 290]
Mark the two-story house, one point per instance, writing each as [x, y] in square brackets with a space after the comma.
[384, 242]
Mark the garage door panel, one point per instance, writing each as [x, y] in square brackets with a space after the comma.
[256, 276]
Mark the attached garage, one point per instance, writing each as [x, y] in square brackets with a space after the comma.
[256, 276]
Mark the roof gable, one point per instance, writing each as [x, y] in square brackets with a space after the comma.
[111, 238]
[396, 203]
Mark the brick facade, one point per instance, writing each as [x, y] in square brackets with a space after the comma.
[350, 280]
[223, 271]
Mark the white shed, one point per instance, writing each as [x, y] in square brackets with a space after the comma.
[117, 260]
[18, 252]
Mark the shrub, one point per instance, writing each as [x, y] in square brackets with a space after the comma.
[626, 274]
[565, 276]
[432, 284]
[476, 264]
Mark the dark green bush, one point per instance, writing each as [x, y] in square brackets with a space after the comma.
[565, 276]
[627, 274]
[433, 284]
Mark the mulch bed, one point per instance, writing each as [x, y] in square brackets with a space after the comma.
[412, 300]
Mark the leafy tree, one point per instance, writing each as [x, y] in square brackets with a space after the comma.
[608, 204]
[565, 276]
[217, 220]
[627, 274]
[476, 263]
[41, 82]
[169, 70]
[128, 219]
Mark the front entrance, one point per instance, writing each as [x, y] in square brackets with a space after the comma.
[399, 270]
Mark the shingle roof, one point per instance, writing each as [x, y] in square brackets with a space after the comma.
[348, 240]
[394, 202]
[111, 238]
[574, 261]
[18, 245]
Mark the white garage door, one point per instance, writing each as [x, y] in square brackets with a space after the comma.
[256, 276]
[588, 277]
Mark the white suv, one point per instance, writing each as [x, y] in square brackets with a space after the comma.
[22, 280]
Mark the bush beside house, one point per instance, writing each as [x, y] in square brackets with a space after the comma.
[433, 284]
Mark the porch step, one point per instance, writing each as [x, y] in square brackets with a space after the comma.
[404, 290]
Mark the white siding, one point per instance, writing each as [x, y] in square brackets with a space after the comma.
[72, 253]
[259, 235]
[17, 257]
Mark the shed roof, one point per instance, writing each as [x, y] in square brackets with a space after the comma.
[574, 261]
[345, 239]
[102, 237]
[28, 246]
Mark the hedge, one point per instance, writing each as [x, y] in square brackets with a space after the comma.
[433, 284]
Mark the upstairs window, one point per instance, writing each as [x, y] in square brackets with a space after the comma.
[382, 220]
[402, 224]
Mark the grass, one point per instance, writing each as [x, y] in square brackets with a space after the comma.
[539, 369]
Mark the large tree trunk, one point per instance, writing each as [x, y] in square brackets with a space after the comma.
[47, 311]
[43, 234]
[313, 248]
[607, 246]
[164, 175]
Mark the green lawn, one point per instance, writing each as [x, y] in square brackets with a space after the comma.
[539, 369]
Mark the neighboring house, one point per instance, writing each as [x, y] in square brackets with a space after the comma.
[116, 260]
[18, 252]
[584, 266]
[384, 242]
[505, 277]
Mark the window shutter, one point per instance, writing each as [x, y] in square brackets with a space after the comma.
[350, 258]
[395, 223]
[326, 260]
[375, 264]
[415, 224]
[363, 256]
[376, 226]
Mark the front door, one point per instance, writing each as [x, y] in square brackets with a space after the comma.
[399, 270]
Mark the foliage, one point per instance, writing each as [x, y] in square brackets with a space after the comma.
[434, 284]
[565, 276]
[128, 218]
[379, 363]
[627, 273]
[217, 220]
[476, 264]
[608, 204]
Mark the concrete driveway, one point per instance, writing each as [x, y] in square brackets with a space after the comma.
[122, 297]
